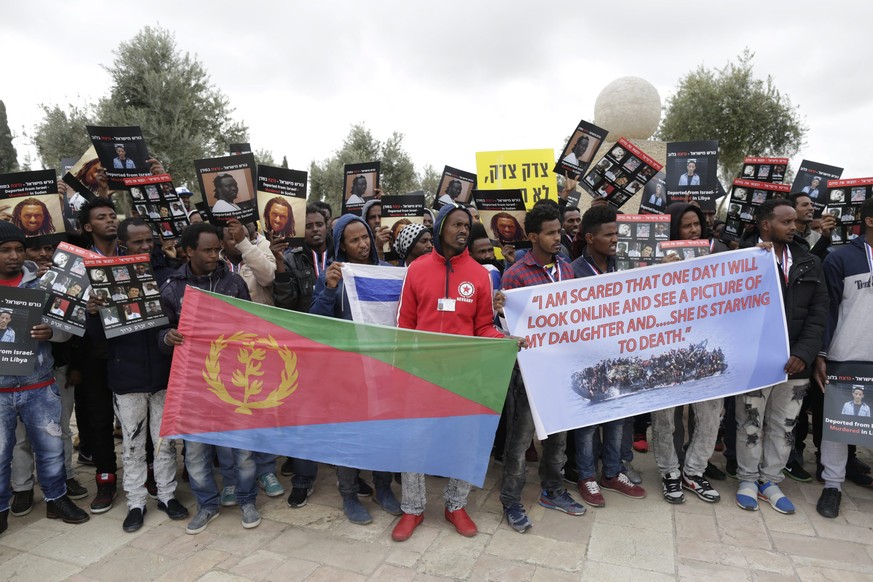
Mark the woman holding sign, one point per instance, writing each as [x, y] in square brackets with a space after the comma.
[687, 222]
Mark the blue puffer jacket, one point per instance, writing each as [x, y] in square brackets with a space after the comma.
[219, 281]
[45, 363]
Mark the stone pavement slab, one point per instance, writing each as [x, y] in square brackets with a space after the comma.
[629, 539]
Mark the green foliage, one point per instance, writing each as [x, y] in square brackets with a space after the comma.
[8, 155]
[170, 95]
[61, 133]
[747, 116]
[430, 183]
[264, 158]
[398, 171]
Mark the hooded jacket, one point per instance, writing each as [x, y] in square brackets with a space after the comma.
[334, 302]
[219, 281]
[367, 206]
[45, 363]
[677, 209]
[433, 277]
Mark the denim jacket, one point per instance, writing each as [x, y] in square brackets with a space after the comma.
[45, 363]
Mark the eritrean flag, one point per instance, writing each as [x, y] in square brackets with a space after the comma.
[259, 378]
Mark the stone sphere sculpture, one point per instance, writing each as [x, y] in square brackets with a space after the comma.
[628, 107]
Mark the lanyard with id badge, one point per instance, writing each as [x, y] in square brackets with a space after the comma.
[445, 304]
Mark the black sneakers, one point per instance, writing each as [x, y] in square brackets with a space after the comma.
[796, 471]
[134, 519]
[63, 508]
[173, 509]
[700, 486]
[75, 490]
[298, 496]
[106, 492]
[672, 486]
[714, 472]
[22, 502]
[829, 503]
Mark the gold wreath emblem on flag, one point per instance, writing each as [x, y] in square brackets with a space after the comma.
[251, 356]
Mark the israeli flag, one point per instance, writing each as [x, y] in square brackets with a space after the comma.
[373, 292]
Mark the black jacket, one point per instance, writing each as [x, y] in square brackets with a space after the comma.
[136, 363]
[293, 288]
[806, 306]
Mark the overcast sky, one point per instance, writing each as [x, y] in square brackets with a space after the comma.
[454, 77]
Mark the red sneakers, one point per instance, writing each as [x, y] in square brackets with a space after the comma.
[590, 492]
[404, 528]
[462, 522]
[621, 484]
[641, 445]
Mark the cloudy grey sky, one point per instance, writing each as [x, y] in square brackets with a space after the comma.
[454, 77]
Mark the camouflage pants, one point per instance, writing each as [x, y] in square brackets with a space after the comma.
[765, 425]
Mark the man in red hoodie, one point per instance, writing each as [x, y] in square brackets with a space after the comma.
[446, 292]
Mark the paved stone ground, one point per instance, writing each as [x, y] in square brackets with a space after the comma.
[627, 540]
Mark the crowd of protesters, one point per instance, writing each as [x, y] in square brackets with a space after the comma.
[119, 386]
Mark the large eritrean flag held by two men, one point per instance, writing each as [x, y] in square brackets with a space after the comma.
[259, 378]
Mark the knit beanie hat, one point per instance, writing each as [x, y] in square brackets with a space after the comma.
[409, 235]
[10, 232]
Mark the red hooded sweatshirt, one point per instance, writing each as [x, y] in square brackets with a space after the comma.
[430, 278]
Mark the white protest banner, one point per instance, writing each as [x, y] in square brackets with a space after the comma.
[630, 342]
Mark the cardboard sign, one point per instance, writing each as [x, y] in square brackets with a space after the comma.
[359, 185]
[30, 201]
[620, 174]
[577, 154]
[154, 199]
[20, 310]
[455, 186]
[524, 170]
[228, 188]
[844, 199]
[692, 173]
[282, 203]
[131, 294]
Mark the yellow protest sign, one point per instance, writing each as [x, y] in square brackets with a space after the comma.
[527, 170]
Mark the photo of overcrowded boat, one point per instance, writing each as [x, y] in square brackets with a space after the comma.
[615, 377]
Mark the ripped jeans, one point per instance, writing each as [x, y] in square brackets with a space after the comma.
[40, 411]
[140, 413]
[765, 430]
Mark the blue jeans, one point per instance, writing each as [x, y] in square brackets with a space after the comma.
[40, 411]
[264, 463]
[201, 474]
[610, 451]
[225, 466]
[627, 440]
[347, 481]
[519, 432]
[305, 472]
